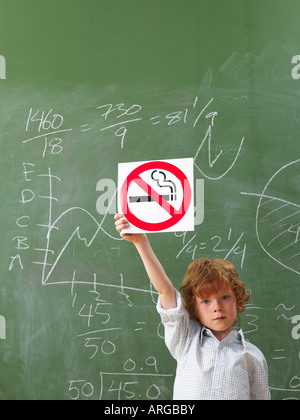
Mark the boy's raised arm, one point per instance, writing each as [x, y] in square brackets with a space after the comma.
[153, 267]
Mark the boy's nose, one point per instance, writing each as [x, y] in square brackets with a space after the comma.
[217, 307]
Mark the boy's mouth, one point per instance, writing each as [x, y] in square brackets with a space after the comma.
[220, 318]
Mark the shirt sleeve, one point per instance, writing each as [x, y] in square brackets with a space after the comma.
[178, 327]
[259, 389]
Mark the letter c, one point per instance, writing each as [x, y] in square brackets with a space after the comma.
[20, 218]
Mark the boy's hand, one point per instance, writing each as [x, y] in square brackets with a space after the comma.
[122, 224]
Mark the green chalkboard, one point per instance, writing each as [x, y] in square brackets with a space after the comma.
[85, 85]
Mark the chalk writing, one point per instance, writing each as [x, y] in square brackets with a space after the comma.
[207, 142]
[225, 246]
[81, 387]
[281, 307]
[251, 318]
[277, 219]
[46, 121]
[98, 331]
[279, 354]
[117, 386]
[51, 232]
[118, 117]
[21, 241]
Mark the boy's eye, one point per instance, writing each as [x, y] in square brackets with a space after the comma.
[225, 297]
[205, 301]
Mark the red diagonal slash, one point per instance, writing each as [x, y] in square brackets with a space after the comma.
[155, 196]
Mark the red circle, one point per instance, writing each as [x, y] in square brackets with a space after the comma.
[187, 195]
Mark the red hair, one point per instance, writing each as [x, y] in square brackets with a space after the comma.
[205, 277]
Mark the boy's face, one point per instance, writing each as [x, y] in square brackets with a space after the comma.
[218, 312]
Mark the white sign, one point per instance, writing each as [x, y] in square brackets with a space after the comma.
[157, 196]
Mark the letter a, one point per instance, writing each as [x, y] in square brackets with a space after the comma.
[16, 257]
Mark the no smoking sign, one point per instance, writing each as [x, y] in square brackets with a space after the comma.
[157, 196]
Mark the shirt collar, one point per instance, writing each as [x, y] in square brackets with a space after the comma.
[235, 335]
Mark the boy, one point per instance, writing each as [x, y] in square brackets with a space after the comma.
[214, 362]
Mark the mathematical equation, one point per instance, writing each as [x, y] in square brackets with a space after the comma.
[100, 332]
[94, 301]
[118, 118]
[228, 247]
[101, 343]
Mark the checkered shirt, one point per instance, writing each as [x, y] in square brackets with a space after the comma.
[209, 369]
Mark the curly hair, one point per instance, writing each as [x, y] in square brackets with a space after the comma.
[205, 277]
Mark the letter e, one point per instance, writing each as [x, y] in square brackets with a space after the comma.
[27, 172]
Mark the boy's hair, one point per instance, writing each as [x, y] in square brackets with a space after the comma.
[205, 277]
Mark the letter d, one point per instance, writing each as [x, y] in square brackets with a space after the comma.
[27, 196]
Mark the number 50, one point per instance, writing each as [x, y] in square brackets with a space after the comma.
[82, 387]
